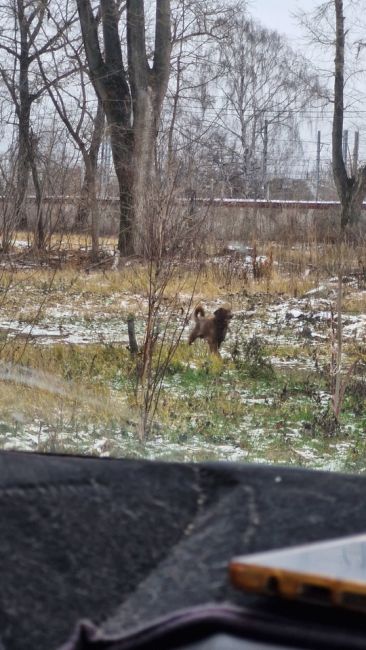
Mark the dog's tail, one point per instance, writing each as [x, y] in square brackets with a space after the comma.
[198, 311]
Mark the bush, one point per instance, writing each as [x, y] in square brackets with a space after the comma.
[249, 356]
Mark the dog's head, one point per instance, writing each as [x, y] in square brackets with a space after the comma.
[223, 314]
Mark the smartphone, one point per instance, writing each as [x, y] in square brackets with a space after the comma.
[324, 573]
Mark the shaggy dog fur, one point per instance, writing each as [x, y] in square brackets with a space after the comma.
[211, 328]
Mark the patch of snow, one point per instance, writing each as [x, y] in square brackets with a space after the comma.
[295, 313]
[315, 292]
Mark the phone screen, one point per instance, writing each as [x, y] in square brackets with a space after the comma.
[330, 573]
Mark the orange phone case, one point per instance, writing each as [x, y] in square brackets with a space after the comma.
[328, 573]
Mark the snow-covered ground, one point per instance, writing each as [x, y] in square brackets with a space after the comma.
[297, 330]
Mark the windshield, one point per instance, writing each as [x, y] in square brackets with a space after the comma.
[182, 251]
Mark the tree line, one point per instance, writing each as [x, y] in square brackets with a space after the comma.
[177, 86]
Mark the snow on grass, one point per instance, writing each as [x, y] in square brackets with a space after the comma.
[255, 424]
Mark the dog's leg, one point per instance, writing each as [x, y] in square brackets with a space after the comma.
[214, 347]
[193, 335]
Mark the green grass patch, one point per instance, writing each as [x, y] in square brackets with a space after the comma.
[250, 405]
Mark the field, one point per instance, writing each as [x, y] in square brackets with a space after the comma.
[68, 379]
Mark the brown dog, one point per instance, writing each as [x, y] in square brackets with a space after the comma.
[212, 328]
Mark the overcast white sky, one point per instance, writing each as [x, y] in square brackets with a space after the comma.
[277, 14]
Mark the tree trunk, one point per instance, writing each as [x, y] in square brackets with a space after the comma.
[148, 88]
[351, 190]
[39, 234]
[110, 82]
[89, 203]
[143, 155]
[85, 205]
[82, 214]
[23, 167]
[23, 110]
[122, 152]
[88, 208]
[132, 103]
[94, 220]
[92, 178]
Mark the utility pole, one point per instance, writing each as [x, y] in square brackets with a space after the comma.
[265, 160]
[356, 146]
[105, 164]
[318, 145]
[345, 147]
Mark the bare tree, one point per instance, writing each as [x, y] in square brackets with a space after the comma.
[86, 131]
[172, 243]
[265, 87]
[236, 90]
[197, 30]
[132, 100]
[24, 38]
[351, 189]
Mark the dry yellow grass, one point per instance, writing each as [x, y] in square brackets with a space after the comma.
[322, 258]
[69, 241]
[355, 303]
[91, 384]
[26, 292]
[288, 285]
[33, 394]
